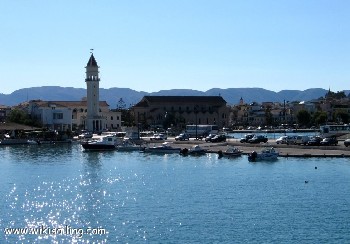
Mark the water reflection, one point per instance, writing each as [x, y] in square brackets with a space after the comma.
[168, 198]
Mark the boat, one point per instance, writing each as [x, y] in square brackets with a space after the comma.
[128, 146]
[267, 154]
[196, 150]
[33, 142]
[108, 142]
[230, 152]
[165, 147]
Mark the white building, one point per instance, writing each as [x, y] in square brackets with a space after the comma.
[90, 114]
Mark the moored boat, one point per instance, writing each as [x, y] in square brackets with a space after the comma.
[101, 143]
[195, 150]
[127, 146]
[165, 147]
[230, 152]
[267, 154]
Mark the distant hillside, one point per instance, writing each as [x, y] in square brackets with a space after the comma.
[130, 97]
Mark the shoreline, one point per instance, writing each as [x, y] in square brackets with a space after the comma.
[339, 151]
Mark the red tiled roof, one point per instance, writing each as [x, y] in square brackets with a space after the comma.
[69, 103]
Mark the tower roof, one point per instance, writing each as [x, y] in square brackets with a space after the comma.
[92, 61]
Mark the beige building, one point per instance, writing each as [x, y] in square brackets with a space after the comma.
[63, 115]
[178, 111]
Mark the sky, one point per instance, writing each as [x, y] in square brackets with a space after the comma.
[175, 44]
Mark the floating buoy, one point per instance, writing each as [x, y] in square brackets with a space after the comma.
[306, 181]
[315, 167]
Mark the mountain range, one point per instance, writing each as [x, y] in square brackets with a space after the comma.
[130, 97]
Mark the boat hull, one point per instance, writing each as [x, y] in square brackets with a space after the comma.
[159, 150]
[98, 147]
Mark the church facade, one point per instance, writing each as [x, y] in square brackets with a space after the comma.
[89, 114]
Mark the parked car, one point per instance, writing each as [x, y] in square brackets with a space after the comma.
[282, 140]
[245, 138]
[302, 140]
[291, 140]
[218, 138]
[347, 142]
[158, 137]
[258, 139]
[315, 141]
[182, 137]
[209, 137]
[329, 141]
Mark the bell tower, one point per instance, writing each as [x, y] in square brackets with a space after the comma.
[94, 122]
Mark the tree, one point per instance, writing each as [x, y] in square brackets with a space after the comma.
[341, 115]
[127, 117]
[320, 117]
[338, 95]
[303, 117]
[21, 117]
[268, 116]
[121, 104]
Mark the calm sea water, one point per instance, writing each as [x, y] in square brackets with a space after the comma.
[141, 198]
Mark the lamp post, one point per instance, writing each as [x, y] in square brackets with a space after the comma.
[165, 124]
[196, 112]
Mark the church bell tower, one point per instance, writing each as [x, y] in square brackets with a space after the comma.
[94, 122]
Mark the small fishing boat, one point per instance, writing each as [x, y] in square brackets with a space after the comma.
[230, 152]
[128, 146]
[195, 150]
[267, 154]
[165, 147]
[108, 142]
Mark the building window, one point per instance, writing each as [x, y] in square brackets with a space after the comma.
[112, 119]
[117, 117]
[57, 115]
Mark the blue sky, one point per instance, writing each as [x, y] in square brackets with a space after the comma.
[166, 44]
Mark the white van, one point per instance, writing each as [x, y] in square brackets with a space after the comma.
[302, 140]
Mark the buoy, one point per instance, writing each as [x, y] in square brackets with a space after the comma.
[315, 167]
[306, 181]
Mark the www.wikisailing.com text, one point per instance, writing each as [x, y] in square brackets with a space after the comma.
[66, 230]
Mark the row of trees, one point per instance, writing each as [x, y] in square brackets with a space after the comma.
[318, 118]
[21, 117]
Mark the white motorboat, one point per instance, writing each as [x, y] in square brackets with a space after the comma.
[230, 152]
[267, 154]
[195, 150]
[165, 147]
[127, 146]
[108, 142]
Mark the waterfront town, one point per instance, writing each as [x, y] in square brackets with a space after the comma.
[153, 113]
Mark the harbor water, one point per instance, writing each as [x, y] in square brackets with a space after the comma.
[60, 193]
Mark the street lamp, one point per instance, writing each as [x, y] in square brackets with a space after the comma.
[165, 124]
[196, 113]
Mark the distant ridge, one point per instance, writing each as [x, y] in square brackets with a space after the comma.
[130, 97]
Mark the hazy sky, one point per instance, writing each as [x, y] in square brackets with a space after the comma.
[152, 45]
